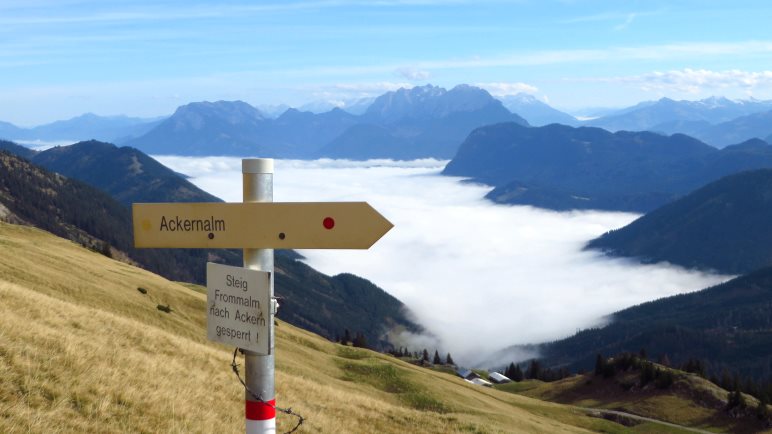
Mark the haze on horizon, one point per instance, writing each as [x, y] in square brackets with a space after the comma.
[143, 58]
[479, 276]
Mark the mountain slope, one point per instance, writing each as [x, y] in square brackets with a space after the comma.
[536, 112]
[204, 127]
[427, 102]
[727, 326]
[125, 173]
[79, 212]
[298, 134]
[83, 214]
[84, 351]
[561, 167]
[422, 122]
[236, 128]
[756, 125]
[9, 131]
[689, 401]
[87, 126]
[665, 114]
[15, 149]
[723, 226]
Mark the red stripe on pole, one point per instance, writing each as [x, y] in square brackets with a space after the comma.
[260, 411]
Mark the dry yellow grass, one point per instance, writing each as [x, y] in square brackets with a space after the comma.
[82, 350]
[691, 401]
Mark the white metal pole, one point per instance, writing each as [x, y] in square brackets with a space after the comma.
[259, 369]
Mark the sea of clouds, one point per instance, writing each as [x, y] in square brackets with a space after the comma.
[479, 277]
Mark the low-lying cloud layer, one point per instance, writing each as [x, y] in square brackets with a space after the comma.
[480, 277]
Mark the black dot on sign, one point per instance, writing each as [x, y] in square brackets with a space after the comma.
[211, 236]
[282, 236]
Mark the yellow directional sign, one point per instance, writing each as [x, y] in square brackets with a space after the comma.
[264, 225]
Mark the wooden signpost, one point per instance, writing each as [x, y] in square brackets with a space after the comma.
[268, 225]
[240, 301]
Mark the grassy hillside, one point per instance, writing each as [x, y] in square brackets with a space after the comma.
[82, 213]
[690, 401]
[72, 209]
[83, 350]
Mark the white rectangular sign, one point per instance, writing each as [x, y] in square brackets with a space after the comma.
[238, 307]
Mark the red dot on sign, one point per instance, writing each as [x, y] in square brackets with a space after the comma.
[328, 223]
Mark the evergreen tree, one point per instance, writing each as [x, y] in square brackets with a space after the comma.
[664, 360]
[437, 360]
[665, 378]
[518, 374]
[509, 372]
[750, 387]
[648, 373]
[105, 249]
[694, 366]
[609, 370]
[449, 360]
[726, 380]
[534, 370]
[425, 356]
[360, 341]
[736, 398]
[600, 364]
[346, 337]
[642, 354]
[762, 412]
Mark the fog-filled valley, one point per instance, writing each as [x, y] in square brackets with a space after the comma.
[480, 277]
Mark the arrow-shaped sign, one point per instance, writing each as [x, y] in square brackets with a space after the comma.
[262, 225]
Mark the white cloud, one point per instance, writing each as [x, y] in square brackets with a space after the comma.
[413, 74]
[505, 88]
[342, 94]
[480, 277]
[675, 51]
[371, 87]
[628, 20]
[695, 81]
[152, 11]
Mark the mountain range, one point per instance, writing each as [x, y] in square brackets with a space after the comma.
[423, 121]
[723, 226]
[237, 128]
[665, 114]
[717, 121]
[754, 125]
[84, 127]
[561, 167]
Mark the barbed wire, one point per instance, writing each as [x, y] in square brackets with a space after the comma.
[258, 398]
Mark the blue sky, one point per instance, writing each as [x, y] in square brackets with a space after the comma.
[61, 58]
